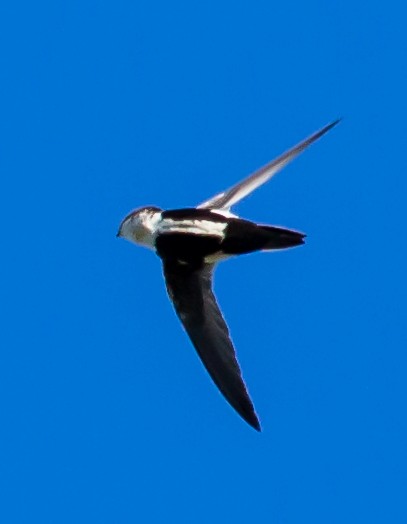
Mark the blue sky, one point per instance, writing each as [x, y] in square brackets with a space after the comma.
[107, 415]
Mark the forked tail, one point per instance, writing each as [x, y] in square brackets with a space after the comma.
[281, 238]
[245, 237]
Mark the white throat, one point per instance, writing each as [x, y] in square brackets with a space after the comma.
[141, 226]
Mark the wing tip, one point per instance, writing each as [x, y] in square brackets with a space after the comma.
[256, 425]
[326, 128]
[334, 123]
[252, 419]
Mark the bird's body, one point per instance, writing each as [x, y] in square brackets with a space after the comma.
[190, 242]
[199, 236]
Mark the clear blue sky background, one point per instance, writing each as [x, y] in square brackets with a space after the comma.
[107, 415]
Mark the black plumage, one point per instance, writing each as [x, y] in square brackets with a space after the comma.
[190, 242]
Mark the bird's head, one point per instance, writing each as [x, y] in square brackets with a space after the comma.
[140, 225]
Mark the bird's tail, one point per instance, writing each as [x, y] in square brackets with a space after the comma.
[281, 238]
[245, 237]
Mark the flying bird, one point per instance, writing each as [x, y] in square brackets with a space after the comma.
[190, 242]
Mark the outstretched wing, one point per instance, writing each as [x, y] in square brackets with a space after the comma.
[228, 198]
[195, 304]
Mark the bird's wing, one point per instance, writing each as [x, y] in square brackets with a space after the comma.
[226, 199]
[195, 304]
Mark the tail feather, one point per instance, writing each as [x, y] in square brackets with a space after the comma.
[280, 238]
[243, 236]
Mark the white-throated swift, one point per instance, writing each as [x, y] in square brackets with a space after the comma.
[190, 242]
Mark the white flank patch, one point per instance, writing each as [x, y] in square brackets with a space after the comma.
[224, 212]
[194, 227]
[217, 257]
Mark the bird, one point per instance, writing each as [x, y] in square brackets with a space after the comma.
[190, 243]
